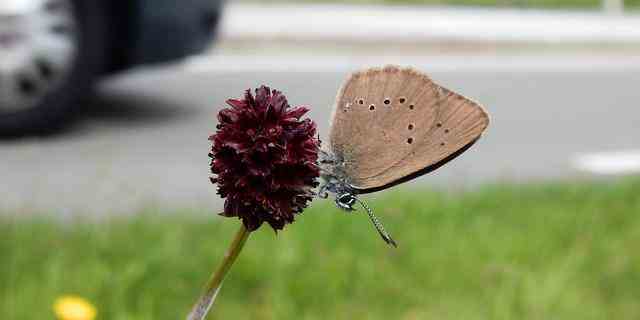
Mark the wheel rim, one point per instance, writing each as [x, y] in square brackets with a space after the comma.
[38, 42]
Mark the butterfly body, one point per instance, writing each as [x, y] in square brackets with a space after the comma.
[391, 125]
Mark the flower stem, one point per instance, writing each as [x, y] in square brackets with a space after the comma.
[204, 303]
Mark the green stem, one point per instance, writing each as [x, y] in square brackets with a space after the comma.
[204, 303]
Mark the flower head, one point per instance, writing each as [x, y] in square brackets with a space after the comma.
[74, 308]
[264, 159]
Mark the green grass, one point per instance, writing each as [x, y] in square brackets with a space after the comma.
[551, 4]
[555, 251]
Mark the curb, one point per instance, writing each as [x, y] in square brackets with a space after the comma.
[353, 23]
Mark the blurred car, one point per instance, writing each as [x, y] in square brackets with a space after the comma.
[53, 51]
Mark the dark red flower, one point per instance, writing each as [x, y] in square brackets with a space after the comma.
[264, 159]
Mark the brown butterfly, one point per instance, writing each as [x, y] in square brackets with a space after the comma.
[390, 125]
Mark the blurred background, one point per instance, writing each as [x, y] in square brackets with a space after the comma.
[105, 110]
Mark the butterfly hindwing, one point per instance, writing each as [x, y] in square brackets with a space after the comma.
[390, 124]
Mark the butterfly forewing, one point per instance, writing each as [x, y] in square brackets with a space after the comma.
[391, 123]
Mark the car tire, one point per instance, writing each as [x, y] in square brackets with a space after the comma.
[55, 107]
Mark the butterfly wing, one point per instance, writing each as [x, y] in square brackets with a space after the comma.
[393, 124]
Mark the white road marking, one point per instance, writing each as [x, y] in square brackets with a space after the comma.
[609, 163]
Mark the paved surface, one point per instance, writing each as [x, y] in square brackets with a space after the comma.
[145, 141]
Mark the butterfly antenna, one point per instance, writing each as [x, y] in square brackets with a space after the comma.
[376, 223]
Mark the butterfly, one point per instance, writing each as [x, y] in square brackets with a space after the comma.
[390, 125]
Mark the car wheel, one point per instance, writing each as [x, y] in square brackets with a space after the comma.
[51, 51]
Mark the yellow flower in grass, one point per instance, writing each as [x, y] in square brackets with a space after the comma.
[74, 308]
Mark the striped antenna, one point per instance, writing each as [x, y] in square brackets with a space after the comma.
[376, 223]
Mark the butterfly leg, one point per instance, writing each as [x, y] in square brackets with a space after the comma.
[322, 192]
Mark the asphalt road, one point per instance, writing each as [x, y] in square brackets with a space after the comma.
[143, 141]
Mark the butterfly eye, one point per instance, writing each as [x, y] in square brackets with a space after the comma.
[360, 101]
[346, 201]
[410, 140]
[402, 100]
[410, 126]
[387, 101]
